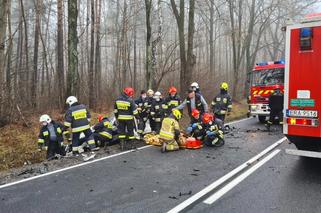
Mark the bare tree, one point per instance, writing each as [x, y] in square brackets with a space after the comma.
[72, 77]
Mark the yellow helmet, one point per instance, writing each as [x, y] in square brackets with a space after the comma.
[224, 86]
[177, 114]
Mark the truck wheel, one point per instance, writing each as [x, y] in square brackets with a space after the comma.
[262, 119]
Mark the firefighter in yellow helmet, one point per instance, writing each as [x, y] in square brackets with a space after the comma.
[170, 131]
[222, 103]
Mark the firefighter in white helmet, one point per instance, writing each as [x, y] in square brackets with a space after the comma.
[50, 137]
[77, 118]
[158, 112]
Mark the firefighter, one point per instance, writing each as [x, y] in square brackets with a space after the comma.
[173, 100]
[276, 107]
[170, 131]
[214, 135]
[142, 104]
[222, 103]
[158, 112]
[125, 113]
[196, 129]
[77, 118]
[194, 101]
[148, 104]
[196, 88]
[105, 133]
[50, 137]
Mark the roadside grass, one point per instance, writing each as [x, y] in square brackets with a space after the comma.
[18, 143]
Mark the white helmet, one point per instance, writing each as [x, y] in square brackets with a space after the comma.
[195, 84]
[45, 118]
[150, 93]
[158, 94]
[71, 100]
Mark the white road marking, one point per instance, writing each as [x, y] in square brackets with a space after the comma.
[89, 162]
[217, 195]
[223, 179]
[71, 167]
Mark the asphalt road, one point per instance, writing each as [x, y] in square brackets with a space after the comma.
[149, 181]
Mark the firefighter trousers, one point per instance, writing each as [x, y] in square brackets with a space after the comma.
[141, 125]
[54, 147]
[274, 114]
[220, 117]
[88, 138]
[126, 129]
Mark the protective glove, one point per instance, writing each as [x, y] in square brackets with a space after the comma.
[189, 129]
[92, 129]
[209, 133]
[194, 125]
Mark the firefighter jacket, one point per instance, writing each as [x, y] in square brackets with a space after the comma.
[148, 104]
[158, 110]
[222, 103]
[170, 129]
[199, 104]
[77, 118]
[172, 102]
[105, 128]
[125, 108]
[276, 101]
[142, 105]
[44, 135]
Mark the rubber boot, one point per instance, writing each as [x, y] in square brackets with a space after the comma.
[163, 150]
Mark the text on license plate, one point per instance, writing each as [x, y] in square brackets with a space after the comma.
[302, 113]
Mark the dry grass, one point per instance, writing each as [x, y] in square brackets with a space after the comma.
[18, 144]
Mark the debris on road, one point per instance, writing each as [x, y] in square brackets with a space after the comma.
[173, 197]
[185, 193]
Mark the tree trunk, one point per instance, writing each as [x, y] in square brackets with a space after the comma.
[98, 52]
[3, 28]
[148, 64]
[190, 45]
[34, 80]
[60, 53]
[180, 19]
[72, 78]
[91, 62]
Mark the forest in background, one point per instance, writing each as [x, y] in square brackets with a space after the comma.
[93, 48]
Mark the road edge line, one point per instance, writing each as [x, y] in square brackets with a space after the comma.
[89, 162]
[217, 195]
[71, 167]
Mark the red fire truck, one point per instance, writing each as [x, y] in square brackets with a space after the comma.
[302, 97]
[264, 78]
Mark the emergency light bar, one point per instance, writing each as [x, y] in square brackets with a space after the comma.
[270, 63]
[302, 122]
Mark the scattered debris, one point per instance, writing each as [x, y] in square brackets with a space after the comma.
[185, 193]
[91, 190]
[154, 191]
[196, 170]
[125, 161]
[193, 174]
[173, 197]
[87, 158]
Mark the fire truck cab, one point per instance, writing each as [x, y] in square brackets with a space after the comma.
[302, 97]
[264, 78]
